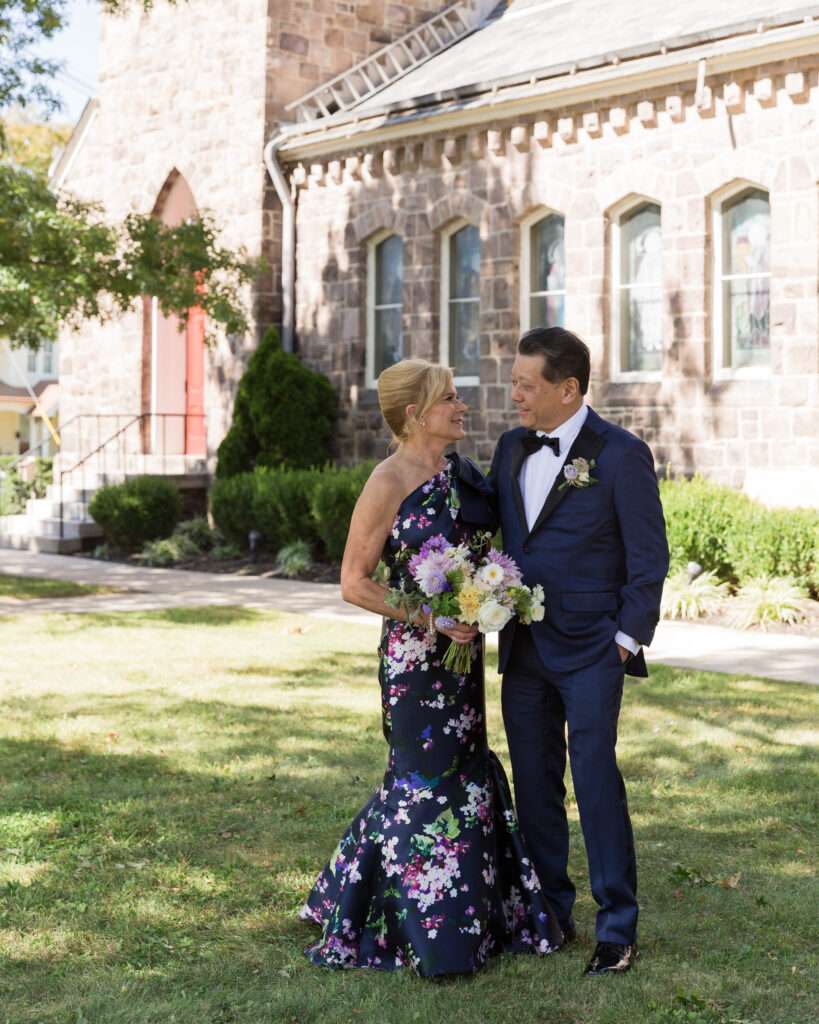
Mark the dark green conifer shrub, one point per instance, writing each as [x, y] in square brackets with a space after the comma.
[283, 414]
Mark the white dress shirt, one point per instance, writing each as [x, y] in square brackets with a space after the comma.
[538, 474]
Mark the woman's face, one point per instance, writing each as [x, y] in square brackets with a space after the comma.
[445, 419]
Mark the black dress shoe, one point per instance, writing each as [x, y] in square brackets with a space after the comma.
[612, 958]
[569, 934]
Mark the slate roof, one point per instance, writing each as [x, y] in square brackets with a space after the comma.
[551, 36]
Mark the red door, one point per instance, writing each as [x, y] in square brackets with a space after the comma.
[195, 441]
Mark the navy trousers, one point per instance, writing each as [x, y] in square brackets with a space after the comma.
[537, 707]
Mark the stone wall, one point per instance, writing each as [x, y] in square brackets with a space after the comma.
[182, 89]
[196, 89]
[676, 148]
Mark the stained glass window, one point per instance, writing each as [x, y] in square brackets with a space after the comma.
[746, 280]
[641, 290]
[464, 300]
[547, 284]
[388, 306]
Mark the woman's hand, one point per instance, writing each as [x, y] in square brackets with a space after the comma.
[460, 633]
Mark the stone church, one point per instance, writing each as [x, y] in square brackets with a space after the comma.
[431, 180]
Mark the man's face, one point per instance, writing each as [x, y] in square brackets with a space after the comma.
[540, 405]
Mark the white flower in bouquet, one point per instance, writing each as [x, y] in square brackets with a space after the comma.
[493, 616]
[489, 575]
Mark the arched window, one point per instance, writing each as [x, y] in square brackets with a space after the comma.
[460, 302]
[385, 287]
[544, 272]
[638, 291]
[743, 281]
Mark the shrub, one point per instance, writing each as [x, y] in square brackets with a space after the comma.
[699, 517]
[197, 531]
[768, 599]
[689, 600]
[282, 510]
[14, 493]
[332, 504]
[142, 508]
[282, 416]
[231, 503]
[223, 552]
[294, 559]
[776, 542]
[289, 505]
[167, 551]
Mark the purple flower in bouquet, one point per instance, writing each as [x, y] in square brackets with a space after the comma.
[430, 572]
[436, 543]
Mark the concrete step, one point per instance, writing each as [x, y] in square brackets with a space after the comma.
[45, 545]
[25, 526]
[47, 508]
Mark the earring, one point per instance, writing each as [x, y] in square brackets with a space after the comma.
[423, 423]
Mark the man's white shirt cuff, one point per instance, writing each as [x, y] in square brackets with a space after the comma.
[628, 642]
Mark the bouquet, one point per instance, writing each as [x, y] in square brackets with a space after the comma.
[466, 584]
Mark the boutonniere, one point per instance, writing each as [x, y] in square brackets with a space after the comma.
[578, 474]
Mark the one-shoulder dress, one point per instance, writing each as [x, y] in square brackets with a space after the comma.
[433, 873]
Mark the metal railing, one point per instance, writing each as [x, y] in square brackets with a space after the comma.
[131, 443]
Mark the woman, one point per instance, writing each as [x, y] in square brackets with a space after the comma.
[432, 873]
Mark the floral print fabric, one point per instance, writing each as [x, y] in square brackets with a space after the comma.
[432, 873]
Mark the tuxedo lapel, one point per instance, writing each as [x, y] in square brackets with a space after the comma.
[518, 455]
[587, 445]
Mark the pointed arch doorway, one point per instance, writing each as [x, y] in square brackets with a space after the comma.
[173, 357]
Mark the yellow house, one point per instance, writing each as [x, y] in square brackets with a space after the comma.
[29, 390]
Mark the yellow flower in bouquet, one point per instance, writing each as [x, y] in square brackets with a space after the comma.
[469, 600]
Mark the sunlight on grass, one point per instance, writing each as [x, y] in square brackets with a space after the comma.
[29, 588]
[173, 781]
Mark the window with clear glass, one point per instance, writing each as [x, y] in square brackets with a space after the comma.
[641, 290]
[32, 362]
[547, 279]
[48, 358]
[389, 303]
[746, 281]
[464, 300]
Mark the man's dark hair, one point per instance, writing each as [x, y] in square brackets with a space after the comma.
[565, 354]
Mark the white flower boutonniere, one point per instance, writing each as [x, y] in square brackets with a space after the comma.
[578, 474]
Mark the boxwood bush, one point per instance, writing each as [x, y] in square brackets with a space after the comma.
[290, 505]
[142, 508]
[736, 537]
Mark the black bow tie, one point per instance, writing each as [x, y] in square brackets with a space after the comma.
[533, 442]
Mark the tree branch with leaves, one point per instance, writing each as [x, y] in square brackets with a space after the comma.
[61, 262]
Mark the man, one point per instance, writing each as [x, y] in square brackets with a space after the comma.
[580, 513]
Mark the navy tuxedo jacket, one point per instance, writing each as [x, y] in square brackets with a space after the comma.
[599, 552]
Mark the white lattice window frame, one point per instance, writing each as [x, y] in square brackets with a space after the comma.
[372, 245]
[526, 293]
[443, 344]
[720, 203]
[618, 216]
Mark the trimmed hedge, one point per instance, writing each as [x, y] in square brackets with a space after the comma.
[285, 506]
[737, 537]
[142, 508]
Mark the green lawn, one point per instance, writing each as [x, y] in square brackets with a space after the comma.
[171, 782]
[28, 588]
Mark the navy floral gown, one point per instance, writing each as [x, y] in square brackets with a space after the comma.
[432, 873]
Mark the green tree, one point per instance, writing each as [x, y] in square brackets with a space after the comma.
[60, 260]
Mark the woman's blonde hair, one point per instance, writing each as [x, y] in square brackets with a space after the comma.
[410, 382]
